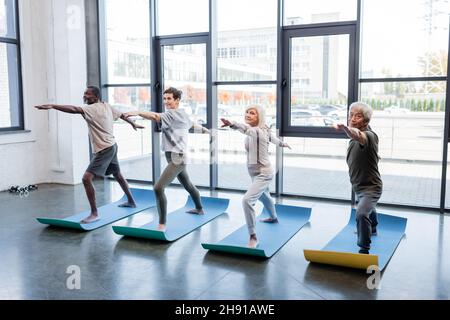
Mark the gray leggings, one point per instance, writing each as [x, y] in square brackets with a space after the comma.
[176, 167]
[366, 216]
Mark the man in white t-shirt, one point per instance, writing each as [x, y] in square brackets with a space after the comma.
[100, 119]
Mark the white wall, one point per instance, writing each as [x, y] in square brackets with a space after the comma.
[53, 48]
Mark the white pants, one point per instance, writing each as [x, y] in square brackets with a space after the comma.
[258, 190]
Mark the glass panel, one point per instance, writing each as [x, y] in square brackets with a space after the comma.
[409, 120]
[412, 42]
[9, 84]
[181, 16]
[319, 79]
[127, 42]
[198, 159]
[135, 147]
[185, 69]
[318, 11]
[8, 19]
[316, 167]
[247, 43]
[233, 101]
[447, 189]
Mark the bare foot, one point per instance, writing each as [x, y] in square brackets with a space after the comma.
[161, 227]
[253, 242]
[269, 220]
[127, 205]
[92, 218]
[196, 211]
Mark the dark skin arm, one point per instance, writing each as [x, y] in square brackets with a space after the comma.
[63, 108]
[131, 122]
[78, 110]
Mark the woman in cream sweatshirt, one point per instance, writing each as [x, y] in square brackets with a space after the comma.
[259, 167]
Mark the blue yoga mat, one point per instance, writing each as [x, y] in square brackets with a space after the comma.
[179, 223]
[271, 236]
[108, 213]
[343, 250]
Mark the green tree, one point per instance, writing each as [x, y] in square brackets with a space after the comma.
[432, 106]
[419, 105]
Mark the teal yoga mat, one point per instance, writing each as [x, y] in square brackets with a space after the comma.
[271, 236]
[179, 223]
[108, 213]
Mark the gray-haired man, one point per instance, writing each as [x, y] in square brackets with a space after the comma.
[362, 160]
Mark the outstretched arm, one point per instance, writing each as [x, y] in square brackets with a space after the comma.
[144, 114]
[243, 128]
[63, 108]
[278, 142]
[352, 133]
[133, 124]
[198, 128]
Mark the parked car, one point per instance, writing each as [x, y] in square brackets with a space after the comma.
[314, 107]
[306, 118]
[338, 114]
[326, 109]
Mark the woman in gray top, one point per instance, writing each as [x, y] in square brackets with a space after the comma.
[175, 125]
[258, 164]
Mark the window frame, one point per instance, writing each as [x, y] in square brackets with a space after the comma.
[17, 111]
[323, 29]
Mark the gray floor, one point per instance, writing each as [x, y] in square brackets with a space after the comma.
[35, 258]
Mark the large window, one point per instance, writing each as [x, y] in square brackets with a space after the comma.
[126, 80]
[181, 16]
[184, 67]
[318, 11]
[233, 100]
[127, 42]
[11, 113]
[403, 78]
[409, 121]
[247, 42]
[316, 168]
[410, 42]
[225, 55]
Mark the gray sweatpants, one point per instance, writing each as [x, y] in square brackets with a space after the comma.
[258, 190]
[366, 216]
[176, 167]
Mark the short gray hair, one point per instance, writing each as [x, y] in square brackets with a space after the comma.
[366, 110]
